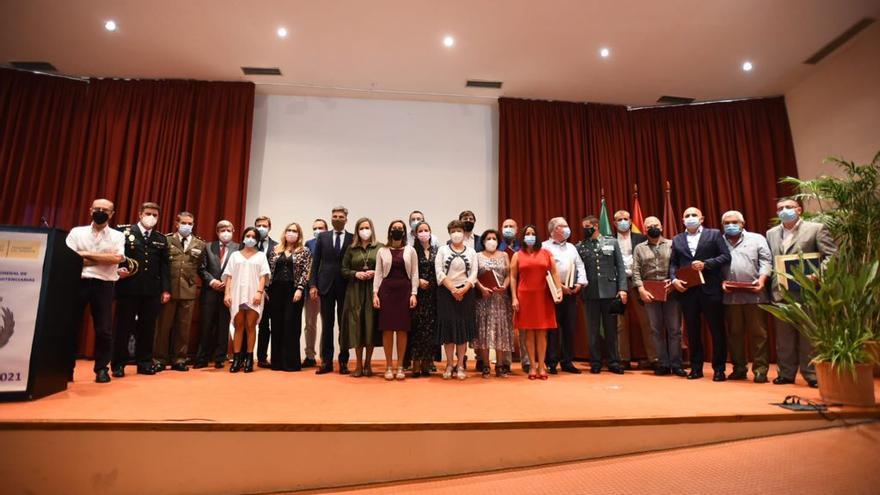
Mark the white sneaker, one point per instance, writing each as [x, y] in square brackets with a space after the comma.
[400, 375]
[448, 373]
[460, 374]
[389, 374]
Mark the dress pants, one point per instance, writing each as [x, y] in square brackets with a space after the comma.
[793, 351]
[98, 296]
[598, 314]
[694, 304]
[665, 320]
[286, 318]
[332, 304]
[560, 342]
[638, 308]
[172, 333]
[264, 335]
[313, 309]
[136, 315]
[214, 333]
[747, 318]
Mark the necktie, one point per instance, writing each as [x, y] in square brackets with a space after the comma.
[222, 252]
[336, 245]
[146, 235]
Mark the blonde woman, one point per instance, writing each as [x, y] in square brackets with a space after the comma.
[290, 275]
[245, 276]
[359, 318]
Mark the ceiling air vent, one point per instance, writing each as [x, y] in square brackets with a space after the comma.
[34, 66]
[261, 71]
[839, 41]
[474, 83]
[674, 100]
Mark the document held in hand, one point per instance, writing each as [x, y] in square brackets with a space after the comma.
[657, 288]
[489, 280]
[554, 291]
[690, 276]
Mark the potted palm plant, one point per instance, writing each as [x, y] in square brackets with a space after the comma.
[837, 309]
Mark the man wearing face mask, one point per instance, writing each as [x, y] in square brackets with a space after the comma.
[140, 296]
[187, 252]
[101, 249]
[510, 244]
[313, 306]
[471, 239]
[606, 281]
[416, 217]
[327, 281]
[628, 240]
[569, 267]
[793, 236]
[705, 251]
[266, 244]
[214, 334]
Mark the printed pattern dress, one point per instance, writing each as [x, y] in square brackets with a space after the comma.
[494, 313]
[423, 337]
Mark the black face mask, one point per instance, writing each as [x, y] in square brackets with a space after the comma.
[338, 225]
[100, 217]
[396, 235]
[588, 232]
[468, 226]
[654, 232]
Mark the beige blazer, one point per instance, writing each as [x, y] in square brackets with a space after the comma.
[809, 237]
[383, 267]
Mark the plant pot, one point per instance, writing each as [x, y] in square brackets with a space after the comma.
[873, 348]
[842, 388]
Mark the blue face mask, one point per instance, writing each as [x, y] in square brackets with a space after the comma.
[509, 232]
[413, 224]
[185, 230]
[692, 222]
[566, 232]
[530, 240]
[623, 225]
[732, 229]
[250, 242]
[788, 214]
[263, 231]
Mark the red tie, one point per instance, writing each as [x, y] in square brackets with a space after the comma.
[222, 252]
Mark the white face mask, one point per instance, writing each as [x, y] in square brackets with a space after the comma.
[457, 237]
[225, 236]
[317, 231]
[149, 221]
[424, 236]
[365, 234]
[291, 237]
[491, 245]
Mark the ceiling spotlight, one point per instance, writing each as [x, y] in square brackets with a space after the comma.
[282, 32]
[604, 52]
[747, 66]
[110, 25]
[448, 41]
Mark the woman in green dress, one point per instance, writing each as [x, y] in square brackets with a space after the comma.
[359, 319]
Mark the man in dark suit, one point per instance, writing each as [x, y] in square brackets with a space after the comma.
[628, 240]
[266, 244]
[141, 292]
[327, 281]
[214, 335]
[705, 251]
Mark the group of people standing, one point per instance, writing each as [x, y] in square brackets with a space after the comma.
[419, 294]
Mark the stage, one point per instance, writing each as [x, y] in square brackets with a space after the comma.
[295, 431]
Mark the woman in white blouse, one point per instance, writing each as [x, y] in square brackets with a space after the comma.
[245, 276]
[456, 266]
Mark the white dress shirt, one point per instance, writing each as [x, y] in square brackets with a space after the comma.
[694, 239]
[624, 240]
[565, 255]
[106, 240]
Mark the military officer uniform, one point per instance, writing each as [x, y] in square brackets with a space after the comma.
[606, 276]
[138, 297]
[172, 333]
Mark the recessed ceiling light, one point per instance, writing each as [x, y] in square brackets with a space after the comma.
[604, 53]
[747, 66]
[282, 32]
[448, 41]
[110, 25]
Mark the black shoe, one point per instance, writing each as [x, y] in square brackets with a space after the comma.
[159, 367]
[118, 371]
[248, 362]
[779, 380]
[323, 370]
[180, 367]
[200, 364]
[695, 375]
[309, 363]
[146, 370]
[738, 375]
[101, 376]
[343, 369]
[570, 368]
[486, 373]
[552, 370]
[616, 369]
[662, 371]
[219, 364]
[262, 363]
[679, 372]
[596, 369]
[813, 383]
[760, 377]
[718, 376]
[416, 373]
[237, 361]
[526, 367]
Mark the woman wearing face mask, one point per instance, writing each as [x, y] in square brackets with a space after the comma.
[422, 339]
[394, 294]
[494, 313]
[533, 306]
[456, 267]
[290, 274]
[359, 318]
[245, 276]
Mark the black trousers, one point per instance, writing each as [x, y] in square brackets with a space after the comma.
[695, 303]
[214, 327]
[135, 315]
[560, 342]
[598, 313]
[286, 318]
[264, 335]
[332, 304]
[98, 296]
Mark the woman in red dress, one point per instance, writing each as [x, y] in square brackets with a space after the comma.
[532, 303]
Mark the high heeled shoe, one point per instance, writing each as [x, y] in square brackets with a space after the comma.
[249, 362]
[400, 375]
[389, 374]
[236, 363]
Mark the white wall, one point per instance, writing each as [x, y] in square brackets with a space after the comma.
[834, 110]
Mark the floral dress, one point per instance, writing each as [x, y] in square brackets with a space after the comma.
[494, 313]
[422, 338]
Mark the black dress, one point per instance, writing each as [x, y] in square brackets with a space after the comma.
[422, 338]
[288, 274]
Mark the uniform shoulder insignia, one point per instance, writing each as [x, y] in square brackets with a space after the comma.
[169, 234]
[123, 226]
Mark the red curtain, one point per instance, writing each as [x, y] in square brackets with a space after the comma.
[556, 158]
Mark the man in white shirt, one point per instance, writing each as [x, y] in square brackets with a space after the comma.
[570, 267]
[263, 224]
[102, 249]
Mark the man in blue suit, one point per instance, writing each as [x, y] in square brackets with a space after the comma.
[705, 251]
[312, 306]
[327, 281]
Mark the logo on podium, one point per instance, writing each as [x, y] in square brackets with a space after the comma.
[8, 327]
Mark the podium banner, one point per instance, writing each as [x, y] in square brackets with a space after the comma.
[22, 255]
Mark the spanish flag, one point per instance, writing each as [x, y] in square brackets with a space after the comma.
[638, 220]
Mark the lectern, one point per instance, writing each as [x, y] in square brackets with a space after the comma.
[39, 278]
